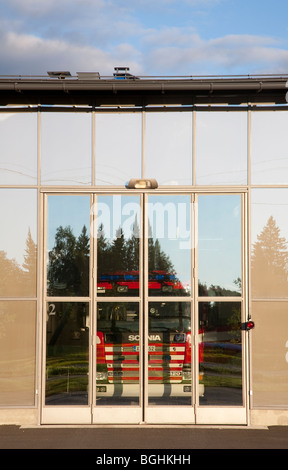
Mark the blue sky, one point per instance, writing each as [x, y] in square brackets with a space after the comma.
[152, 37]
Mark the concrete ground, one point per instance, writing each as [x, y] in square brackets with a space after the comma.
[153, 438]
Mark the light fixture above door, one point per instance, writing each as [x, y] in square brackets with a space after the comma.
[142, 184]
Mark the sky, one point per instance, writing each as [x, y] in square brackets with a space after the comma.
[151, 37]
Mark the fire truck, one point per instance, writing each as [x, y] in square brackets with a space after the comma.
[169, 338]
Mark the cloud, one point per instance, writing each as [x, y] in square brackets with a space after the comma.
[27, 54]
[96, 35]
[231, 54]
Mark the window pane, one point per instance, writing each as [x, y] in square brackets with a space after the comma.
[169, 353]
[168, 148]
[118, 148]
[221, 148]
[270, 354]
[18, 242]
[18, 156]
[67, 354]
[269, 243]
[17, 352]
[118, 351]
[219, 245]
[269, 154]
[169, 245]
[68, 245]
[118, 245]
[221, 353]
[66, 149]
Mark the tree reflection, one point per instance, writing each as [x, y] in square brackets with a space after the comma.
[269, 262]
[117, 264]
[17, 280]
[68, 264]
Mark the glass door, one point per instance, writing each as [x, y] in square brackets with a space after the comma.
[67, 269]
[221, 308]
[118, 286]
[144, 299]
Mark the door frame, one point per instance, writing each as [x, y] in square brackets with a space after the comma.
[193, 414]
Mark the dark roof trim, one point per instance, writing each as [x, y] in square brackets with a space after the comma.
[143, 92]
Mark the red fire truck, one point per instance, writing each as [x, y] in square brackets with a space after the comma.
[169, 338]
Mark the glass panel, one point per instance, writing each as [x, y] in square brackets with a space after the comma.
[269, 156]
[68, 245]
[169, 140]
[269, 243]
[118, 351]
[219, 245]
[270, 354]
[221, 148]
[118, 242]
[17, 353]
[67, 351]
[18, 242]
[169, 245]
[119, 158]
[18, 158]
[221, 364]
[169, 353]
[66, 149]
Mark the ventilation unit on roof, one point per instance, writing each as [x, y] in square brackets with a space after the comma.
[59, 74]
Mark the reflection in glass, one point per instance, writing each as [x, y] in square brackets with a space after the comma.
[118, 243]
[66, 149]
[220, 327]
[270, 354]
[219, 245]
[221, 148]
[118, 350]
[18, 242]
[68, 245]
[169, 140]
[169, 245]
[18, 158]
[169, 353]
[118, 148]
[269, 158]
[67, 351]
[17, 353]
[269, 243]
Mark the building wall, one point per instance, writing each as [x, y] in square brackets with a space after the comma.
[208, 149]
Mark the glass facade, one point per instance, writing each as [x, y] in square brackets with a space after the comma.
[216, 155]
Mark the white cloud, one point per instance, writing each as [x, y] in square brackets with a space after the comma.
[96, 35]
[192, 55]
[26, 54]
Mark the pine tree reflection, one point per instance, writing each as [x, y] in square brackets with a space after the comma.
[68, 264]
[17, 280]
[117, 265]
[269, 263]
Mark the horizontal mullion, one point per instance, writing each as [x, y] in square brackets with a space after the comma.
[169, 299]
[220, 299]
[117, 299]
[21, 299]
[67, 299]
[270, 299]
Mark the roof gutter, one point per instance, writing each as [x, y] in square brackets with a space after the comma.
[143, 85]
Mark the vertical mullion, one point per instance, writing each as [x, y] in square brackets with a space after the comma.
[143, 154]
[93, 147]
[92, 309]
[144, 302]
[195, 306]
[194, 147]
